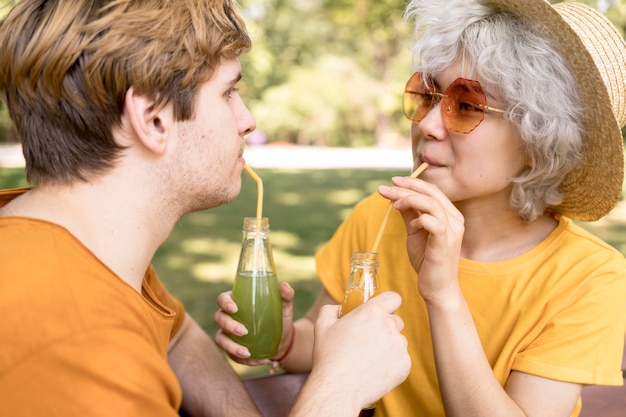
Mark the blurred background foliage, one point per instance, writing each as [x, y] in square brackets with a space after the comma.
[328, 72]
[331, 72]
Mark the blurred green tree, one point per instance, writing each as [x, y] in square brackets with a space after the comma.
[330, 72]
[327, 72]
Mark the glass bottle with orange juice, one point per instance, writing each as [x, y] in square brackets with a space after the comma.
[362, 285]
[363, 282]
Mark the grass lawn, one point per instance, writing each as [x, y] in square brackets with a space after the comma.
[304, 208]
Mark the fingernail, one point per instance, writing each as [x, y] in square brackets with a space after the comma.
[383, 188]
[243, 353]
[232, 307]
[241, 331]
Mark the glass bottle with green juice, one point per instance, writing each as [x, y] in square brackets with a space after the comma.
[256, 291]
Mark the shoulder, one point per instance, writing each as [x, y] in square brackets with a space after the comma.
[580, 240]
[371, 205]
[51, 281]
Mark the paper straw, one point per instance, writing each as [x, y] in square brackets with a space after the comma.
[259, 183]
[390, 206]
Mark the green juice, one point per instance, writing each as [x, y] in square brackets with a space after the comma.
[260, 310]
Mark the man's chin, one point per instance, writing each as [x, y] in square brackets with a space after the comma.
[219, 198]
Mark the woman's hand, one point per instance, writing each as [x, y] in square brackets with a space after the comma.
[434, 233]
[228, 326]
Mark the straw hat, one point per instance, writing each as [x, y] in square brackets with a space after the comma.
[596, 53]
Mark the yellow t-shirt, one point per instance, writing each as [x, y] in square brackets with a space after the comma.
[556, 311]
[76, 340]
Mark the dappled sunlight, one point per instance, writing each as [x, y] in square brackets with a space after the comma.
[611, 228]
[208, 246]
[347, 197]
[214, 272]
[291, 268]
[283, 239]
[222, 257]
[202, 218]
[176, 262]
[289, 199]
[344, 213]
[373, 185]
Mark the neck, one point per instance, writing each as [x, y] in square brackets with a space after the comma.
[117, 221]
[496, 233]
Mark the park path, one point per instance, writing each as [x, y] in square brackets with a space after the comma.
[285, 156]
[305, 157]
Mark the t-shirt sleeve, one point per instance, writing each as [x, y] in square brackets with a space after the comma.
[583, 342]
[164, 297]
[356, 233]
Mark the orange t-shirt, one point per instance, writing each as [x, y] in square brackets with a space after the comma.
[75, 339]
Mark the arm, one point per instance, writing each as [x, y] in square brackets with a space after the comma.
[435, 230]
[468, 386]
[210, 386]
[300, 359]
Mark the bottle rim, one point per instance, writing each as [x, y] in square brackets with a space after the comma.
[254, 224]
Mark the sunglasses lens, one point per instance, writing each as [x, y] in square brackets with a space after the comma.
[418, 98]
[463, 105]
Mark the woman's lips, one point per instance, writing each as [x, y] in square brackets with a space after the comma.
[431, 162]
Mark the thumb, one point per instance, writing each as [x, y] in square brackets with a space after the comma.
[388, 301]
[328, 316]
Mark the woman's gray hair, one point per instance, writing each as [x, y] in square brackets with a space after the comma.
[508, 57]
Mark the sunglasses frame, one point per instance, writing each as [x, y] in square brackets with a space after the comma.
[437, 97]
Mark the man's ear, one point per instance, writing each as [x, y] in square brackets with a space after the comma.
[150, 125]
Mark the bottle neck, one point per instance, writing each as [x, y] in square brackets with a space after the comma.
[367, 260]
[254, 227]
[256, 250]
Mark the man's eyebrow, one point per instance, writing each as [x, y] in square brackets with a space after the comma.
[236, 79]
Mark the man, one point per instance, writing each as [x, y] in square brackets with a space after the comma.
[129, 118]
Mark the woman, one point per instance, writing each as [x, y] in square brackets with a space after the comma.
[516, 105]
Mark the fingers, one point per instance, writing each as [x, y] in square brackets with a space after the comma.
[407, 188]
[328, 315]
[424, 208]
[227, 324]
[225, 302]
[399, 322]
[387, 301]
[286, 292]
[364, 345]
[234, 350]
[230, 327]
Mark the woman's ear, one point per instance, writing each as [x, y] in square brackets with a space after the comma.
[150, 125]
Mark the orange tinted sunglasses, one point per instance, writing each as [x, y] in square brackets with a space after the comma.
[463, 103]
